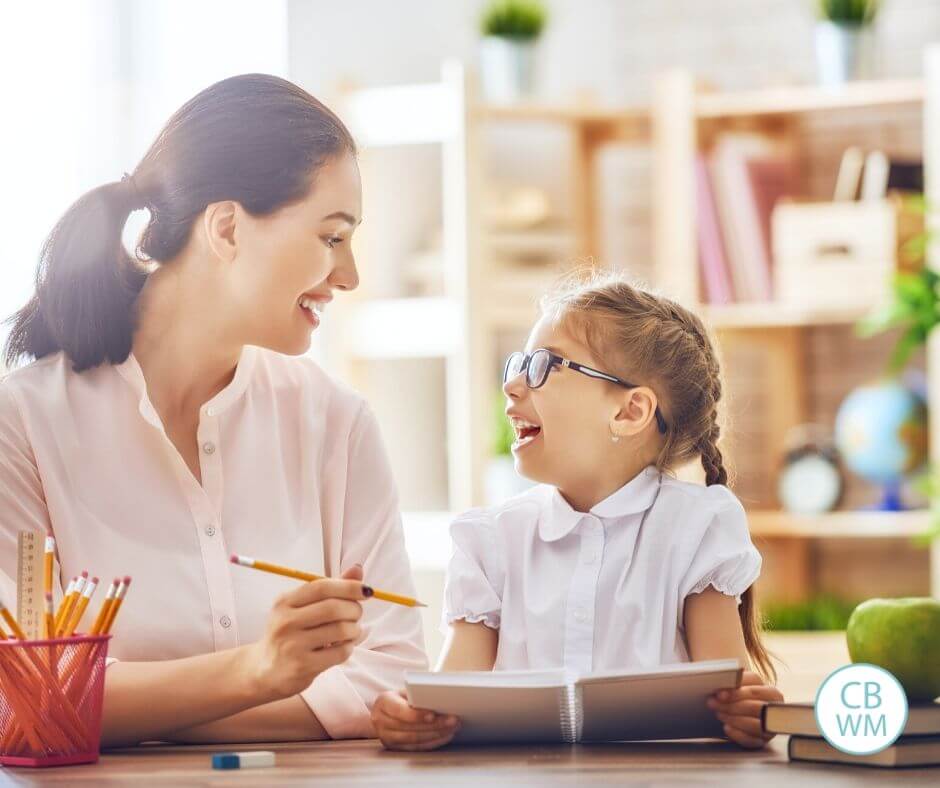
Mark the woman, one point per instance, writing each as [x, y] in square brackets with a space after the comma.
[167, 423]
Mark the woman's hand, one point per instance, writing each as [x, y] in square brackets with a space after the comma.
[739, 710]
[311, 628]
[403, 727]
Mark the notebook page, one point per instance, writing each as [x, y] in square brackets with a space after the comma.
[666, 703]
[497, 706]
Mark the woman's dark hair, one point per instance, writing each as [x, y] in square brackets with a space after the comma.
[255, 139]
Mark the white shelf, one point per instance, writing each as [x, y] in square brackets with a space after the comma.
[809, 98]
[585, 113]
[775, 315]
[853, 524]
[781, 100]
[552, 243]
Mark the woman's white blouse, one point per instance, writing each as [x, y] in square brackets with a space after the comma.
[602, 590]
[293, 471]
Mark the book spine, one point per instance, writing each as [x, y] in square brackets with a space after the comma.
[712, 257]
[571, 712]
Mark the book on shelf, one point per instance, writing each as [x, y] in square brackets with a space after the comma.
[749, 173]
[799, 719]
[668, 702]
[713, 260]
[907, 751]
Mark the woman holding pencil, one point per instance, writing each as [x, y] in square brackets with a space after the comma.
[168, 419]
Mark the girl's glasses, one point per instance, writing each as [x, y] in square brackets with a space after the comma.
[537, 364]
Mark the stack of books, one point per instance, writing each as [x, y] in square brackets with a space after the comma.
[918, 745]
[737, 186]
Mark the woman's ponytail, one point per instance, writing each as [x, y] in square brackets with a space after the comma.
[255, 139]
[86, 284]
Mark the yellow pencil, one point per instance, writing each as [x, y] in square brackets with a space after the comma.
[49, 618]
[69, 604]
[80, 607]
[105, 608]
[18, 633]
[65, 596]
[48, 560]
[115, 608]
[264, 566]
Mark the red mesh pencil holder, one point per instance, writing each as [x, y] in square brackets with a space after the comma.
[50, 700]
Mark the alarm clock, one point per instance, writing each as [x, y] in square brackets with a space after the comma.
[810, 480]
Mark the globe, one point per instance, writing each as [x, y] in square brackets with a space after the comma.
[881, 432]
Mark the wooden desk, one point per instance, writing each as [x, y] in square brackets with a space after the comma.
[364, 763]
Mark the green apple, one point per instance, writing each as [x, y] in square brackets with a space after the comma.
[903, 637]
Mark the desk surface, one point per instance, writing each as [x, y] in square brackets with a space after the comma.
[364, 763]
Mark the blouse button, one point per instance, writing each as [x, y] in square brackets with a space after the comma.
[208, 447]
[580, 616]
[210, 411]
[225, 621]
[210, 530]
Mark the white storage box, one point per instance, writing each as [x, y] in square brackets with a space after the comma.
[834, 253]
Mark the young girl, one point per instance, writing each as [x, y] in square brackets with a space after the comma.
[610, 563]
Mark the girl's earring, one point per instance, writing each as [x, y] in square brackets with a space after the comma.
[614, 438]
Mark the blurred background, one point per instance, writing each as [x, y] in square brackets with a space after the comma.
[769, 163]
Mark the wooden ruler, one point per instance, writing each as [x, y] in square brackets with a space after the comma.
[30, 595]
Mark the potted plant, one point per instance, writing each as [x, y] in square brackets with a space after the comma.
[507, 52]
[914, 311]
[845, 42]
[501, 480]
[914, 306]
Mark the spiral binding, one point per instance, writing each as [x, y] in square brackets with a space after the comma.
[572, 713]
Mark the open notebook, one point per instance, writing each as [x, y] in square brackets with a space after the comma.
[667, 702]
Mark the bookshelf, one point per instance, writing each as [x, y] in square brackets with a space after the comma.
[480, 301]
[686, 121]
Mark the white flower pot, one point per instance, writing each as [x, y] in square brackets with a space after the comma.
[844, 53]
[501, 482]
[507, 69]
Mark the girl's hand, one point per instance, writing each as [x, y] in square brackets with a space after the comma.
[403, 727]
[739, 710]
[311, 628]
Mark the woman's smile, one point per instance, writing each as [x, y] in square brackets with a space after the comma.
[312, 310]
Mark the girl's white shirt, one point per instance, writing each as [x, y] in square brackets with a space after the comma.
[602, 590]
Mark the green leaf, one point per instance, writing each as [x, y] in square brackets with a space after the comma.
[903, 350]
[882, 319]
[521, 20]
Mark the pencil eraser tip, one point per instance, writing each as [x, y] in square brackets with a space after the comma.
[233, 558]
[225, 760]
[127, 581]
[84, 574]
[94, 580]
[255, 759]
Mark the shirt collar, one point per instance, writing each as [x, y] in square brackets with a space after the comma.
[636, 496]
[130, 370]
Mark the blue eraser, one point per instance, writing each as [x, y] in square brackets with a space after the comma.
[225, 760]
